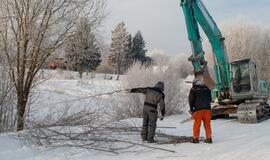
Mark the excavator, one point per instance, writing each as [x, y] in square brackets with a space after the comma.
[237, 89]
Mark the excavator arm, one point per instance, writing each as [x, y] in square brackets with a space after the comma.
[246, 95]
[196, 14]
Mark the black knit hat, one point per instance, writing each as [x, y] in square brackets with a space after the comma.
[160, 85]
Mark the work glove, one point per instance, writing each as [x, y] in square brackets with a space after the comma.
[162, 115]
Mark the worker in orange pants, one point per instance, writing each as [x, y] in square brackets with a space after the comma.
[200, 106]
[199, 116]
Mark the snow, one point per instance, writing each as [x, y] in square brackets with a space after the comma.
[57, 92]
[232, 140]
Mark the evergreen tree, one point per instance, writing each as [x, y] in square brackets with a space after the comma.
[129, 57]
[82, 53]
[119, 49]
[138, 49]
[91, 56]
[72, 54]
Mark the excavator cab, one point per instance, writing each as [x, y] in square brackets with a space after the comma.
[241, 76]
[244, 81]
[250, 91]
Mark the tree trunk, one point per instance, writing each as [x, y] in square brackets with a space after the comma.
[118, 71]
[80, 73]
[1, 116]
[21, 106]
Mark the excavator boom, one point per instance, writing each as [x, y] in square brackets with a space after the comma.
[196, 13]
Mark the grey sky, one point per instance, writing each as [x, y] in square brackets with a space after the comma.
[162, 22]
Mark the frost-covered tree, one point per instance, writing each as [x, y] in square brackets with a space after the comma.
[180, 64]
[159, 57]
[265, 56]
[119, 48]
[82, 52]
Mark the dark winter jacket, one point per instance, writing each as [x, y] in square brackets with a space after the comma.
[153, 97]
[199, 98]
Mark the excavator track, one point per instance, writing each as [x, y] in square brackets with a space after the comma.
[253, 112]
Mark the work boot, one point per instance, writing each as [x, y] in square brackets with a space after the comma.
[144, 139]
[195, 140]
[152, 141]
[208, 140]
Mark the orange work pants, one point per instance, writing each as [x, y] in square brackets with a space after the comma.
[199, 116]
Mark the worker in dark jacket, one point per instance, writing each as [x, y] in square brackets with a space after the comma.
[200, 106]
[153, 97]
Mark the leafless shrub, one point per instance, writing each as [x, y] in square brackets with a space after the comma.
[172, 75]
[159, 57]
[105, 67]
[126, 106]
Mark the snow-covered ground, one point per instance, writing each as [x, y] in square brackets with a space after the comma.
[65, 89]
[232, 140]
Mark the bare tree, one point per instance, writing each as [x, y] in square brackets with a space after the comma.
[7, 96]
[32, 30]
[159, 57]
[182, 65]
[265, 56]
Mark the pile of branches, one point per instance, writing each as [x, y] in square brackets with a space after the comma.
[85, 130]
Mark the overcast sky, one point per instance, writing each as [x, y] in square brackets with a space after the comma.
[162, 22]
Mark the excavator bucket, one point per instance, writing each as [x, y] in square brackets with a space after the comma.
[206, 77]
[208, 81]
